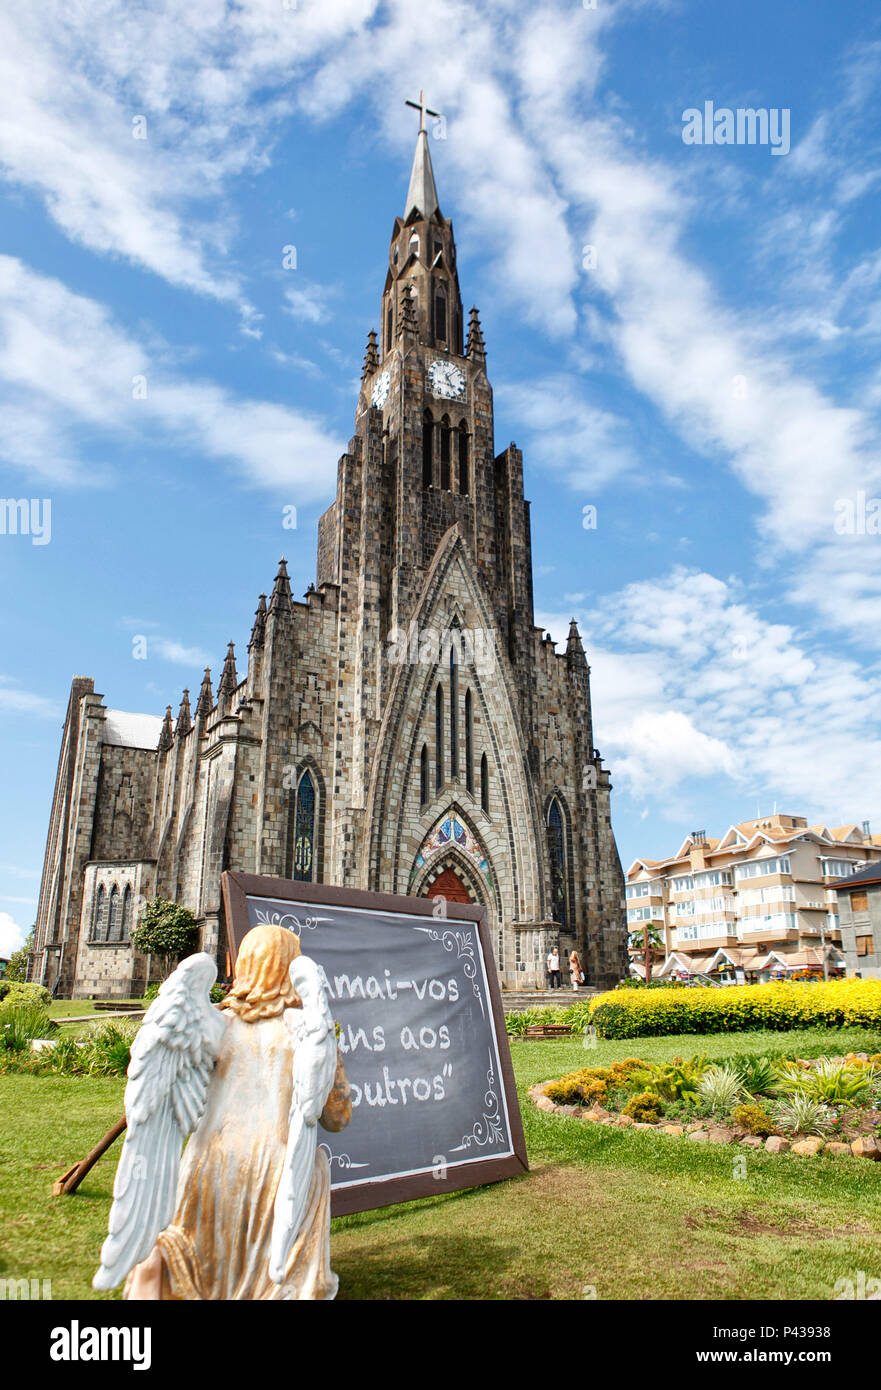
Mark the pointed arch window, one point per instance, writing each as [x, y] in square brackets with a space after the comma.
[469, 744]
[389, 323]
[423, 776]
[414, 244]
[427, 450]
[484, 784]
[557, 857]
[99, 926]
[440, 314]
[454, 710]
[300, 857]
[438, 738]
[445, 453]
[464, 485]
[127, 909]
[114, 921]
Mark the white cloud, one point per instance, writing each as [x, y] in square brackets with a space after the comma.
[64, 365]
[307, 302]
[14, 700]
[176, 652]
[689, 681]
[12, 938]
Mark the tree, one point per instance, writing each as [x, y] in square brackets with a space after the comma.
[650, 937]
[17, 968]
[167, 931]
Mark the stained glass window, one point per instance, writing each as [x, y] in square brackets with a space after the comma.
[427, 449]
[127, 905]
[423, 775]
[99, 930]
[114, 931]
[557, 857]
[304, 830]
[454, 712]
[438, 738]
[445, 454]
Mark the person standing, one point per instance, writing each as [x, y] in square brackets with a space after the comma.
[576, 974]
[554, 967]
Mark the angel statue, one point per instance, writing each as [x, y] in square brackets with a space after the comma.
[245, 1213]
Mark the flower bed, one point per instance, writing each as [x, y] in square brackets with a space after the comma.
[643, 1013]
[830, 1104]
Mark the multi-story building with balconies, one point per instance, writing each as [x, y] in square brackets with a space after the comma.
[758, 903]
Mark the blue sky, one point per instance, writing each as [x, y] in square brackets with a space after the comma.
[710, 382]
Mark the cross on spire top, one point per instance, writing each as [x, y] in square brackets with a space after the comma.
[422, 109]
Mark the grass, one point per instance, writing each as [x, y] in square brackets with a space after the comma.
[631, 1216]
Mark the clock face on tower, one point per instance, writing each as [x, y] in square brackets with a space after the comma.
[446, 379]
[380, 390]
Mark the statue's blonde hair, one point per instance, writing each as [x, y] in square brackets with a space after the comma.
[262, 987]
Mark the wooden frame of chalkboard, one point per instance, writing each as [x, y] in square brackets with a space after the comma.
[357, 1196]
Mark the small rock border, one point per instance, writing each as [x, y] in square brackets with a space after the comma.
[705, 1132]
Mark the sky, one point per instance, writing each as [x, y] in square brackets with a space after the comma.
[197, 198]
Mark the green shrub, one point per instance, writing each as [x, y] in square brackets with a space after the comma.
[21, 1023]
[151, 992]
[758, 1075]
[637, 1013]
[678, 1080]
[802, 1115]
[16, 992]
[108, 1051]
[645, 1108]
[720, 1088]
[165, 930]
[754, 1119]
[586, 1086]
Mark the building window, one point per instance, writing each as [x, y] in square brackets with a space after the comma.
[300, 856]
[454, 712]
[469, 744]
[99, 927]
[464, 487]
[761, 868]
[438, 738]
[440, 315]
[427, 449]
[114, 925]
[484, 784]
[423, 775]
[445, 454]
[128, 903]
[414, 244]
[859, 902]
[683, 884]
[865, 945]
[389, 319]
[636, 890]
[557, 856]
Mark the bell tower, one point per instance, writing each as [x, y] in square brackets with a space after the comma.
[426, 394]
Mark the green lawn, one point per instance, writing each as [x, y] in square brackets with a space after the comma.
[627, 1215]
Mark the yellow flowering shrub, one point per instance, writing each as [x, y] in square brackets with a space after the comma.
[778, 1006]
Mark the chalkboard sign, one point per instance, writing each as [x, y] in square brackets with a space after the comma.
[416, 997]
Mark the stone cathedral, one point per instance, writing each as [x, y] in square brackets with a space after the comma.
[406, 728]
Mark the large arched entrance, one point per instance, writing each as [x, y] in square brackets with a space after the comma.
[448, 885]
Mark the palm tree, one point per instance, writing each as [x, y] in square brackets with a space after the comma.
[651, 937]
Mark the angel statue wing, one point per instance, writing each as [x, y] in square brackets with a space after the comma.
[173, 1057]
[314, 1069]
